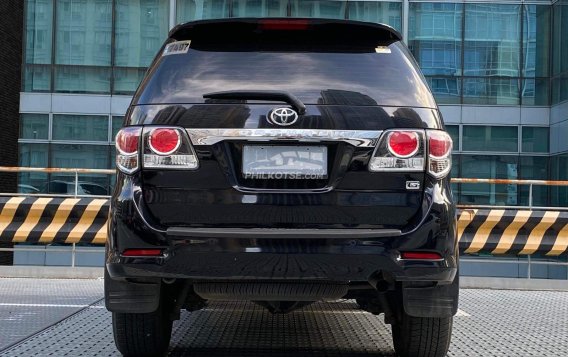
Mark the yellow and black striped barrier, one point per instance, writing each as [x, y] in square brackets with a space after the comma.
[510, 231]
[46, 220]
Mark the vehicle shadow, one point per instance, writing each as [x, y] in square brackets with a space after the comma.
[246, 329]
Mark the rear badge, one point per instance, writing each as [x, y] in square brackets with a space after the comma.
[412, 185]
[282, 116]
[176, 48]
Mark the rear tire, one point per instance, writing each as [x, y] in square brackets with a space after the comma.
[422, 336]
[142, 334]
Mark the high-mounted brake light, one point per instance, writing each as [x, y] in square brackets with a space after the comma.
[164, 141]
[127, 142]
[270, 24]
[168, 148]
[440, 153]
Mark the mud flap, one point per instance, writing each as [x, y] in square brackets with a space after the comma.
[131, 297]
[434, 301]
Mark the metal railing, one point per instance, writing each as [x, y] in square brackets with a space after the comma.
[74, 250]
[530, 183]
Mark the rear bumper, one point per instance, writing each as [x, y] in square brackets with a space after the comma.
[185, 263]
[338, 255]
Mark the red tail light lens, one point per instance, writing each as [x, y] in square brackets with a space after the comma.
[164, 141]
[284, 25]
[403, 143]
[440, 144]
[142, 253]
[421, 256]
[127, 140]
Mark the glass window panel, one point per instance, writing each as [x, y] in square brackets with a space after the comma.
[435, 37]
[446, 90]
[559, 171]
[75, 79]
[319, 8]
[494, 167]
[87, 184]
[536, 92]
[126, 80]
[259, 8]
[534, 168]
[80, 127]
[493, 91]
[492, 40]
[384, 12]
[34, 126]
[80, 156]
[535, 139]
[140, 28]
[536, 38]
[38, 31]
[32, 155]
[37, 78]
[189, 10]
[560, 39]
[560, 88]
[83, 32]
[490, 138]
[454, 131]
[117, 122]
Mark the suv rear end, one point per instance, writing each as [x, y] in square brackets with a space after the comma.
[284, 162]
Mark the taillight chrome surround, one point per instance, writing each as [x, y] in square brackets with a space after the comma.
[386, 159]
[127, 143]
[182, 156]
[439, 165]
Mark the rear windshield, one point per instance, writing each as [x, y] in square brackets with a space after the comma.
[383, 76]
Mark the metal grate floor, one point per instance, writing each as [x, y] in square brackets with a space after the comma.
[490, 323]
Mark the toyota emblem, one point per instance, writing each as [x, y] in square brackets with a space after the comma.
[283, 116]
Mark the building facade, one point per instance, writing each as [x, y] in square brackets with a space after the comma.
[499, 71]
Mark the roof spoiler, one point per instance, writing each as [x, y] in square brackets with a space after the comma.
[329, 28]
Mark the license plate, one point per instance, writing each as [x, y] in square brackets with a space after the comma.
[284, 162]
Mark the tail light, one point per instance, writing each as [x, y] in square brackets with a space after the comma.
[439, 153]
[127, 142]
[168, 148]
[164, 141]
[403, 144]
[399, 150]
[407, 151]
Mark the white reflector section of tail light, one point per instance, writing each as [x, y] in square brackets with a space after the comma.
[168, 148]
[399, 150]
[439, 153]
[127, 142]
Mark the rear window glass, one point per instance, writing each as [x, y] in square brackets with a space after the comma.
[388, 78]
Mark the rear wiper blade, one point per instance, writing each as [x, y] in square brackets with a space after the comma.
[281, 96]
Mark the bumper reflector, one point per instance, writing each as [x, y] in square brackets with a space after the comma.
[420, 256]
[142, 253]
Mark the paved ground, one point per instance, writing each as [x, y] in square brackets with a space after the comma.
[67, 318]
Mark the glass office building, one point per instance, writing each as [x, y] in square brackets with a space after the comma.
[499, 71]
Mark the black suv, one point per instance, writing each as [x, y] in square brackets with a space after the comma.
[283, 161]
